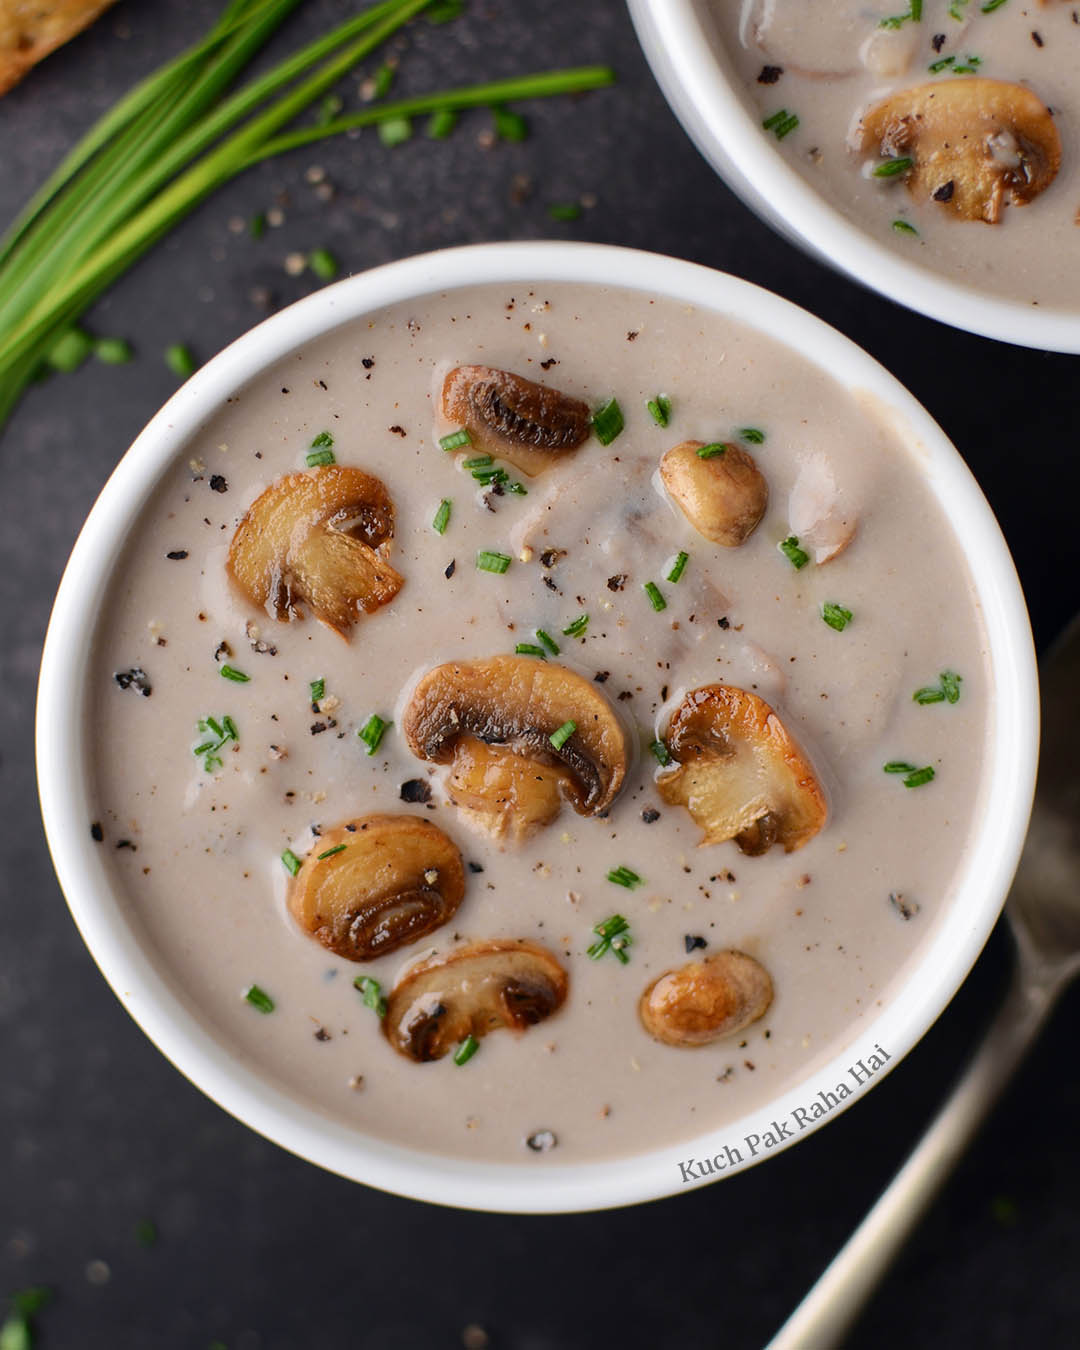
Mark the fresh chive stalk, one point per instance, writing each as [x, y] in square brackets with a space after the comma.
[608, 422]
[656, 599]
[466, 1050]
[712, 451]
[180, 360]
[678, 567]
[315, 459]
[546, 640]
[442, 517]
[259, 999]
[659, 409]
[290, 862]
[577, 628]
[372, 732]
[487, 561]
[892, 168]
[559, 738]
[789, 547]
[530, 649]
[318, 689]
[836, 616]
[330, 852]
[623, 876]
[371, 991]
[752, 435]
[613, 935]
[456, 440]
[231, 673]
[661, 753]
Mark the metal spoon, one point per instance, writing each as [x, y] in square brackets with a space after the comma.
[1043, 910]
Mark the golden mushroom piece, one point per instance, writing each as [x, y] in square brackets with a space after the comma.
[377, 883]
[530, 425]
[521, 735]
[719, 489]
[469, 992]
[319, 538]
[739, 773]
[973, 144]
[704, 1000]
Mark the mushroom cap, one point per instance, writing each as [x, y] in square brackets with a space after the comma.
[470, 991]
[973, 141]
[723, 497]
[530, 425]
[704, 1000]
[517, 703]
[318, 538]
[502, 793]
[397, 879]
[739, 774]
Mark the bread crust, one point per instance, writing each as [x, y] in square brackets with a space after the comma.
[31, 29]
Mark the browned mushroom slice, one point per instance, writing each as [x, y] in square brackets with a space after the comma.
[723, 494]
[376, 884]
[321, 539]
[739, 774]
[531, 425]
[494, 720]
[973, 143]
[704, 1000]
[469, 992]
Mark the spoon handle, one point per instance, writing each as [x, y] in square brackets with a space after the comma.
[830, 1308]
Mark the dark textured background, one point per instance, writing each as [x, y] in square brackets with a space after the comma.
[98, 1132]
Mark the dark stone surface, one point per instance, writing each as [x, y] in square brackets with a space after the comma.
[98, 1132]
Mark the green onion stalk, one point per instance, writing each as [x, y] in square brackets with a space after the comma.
[177, 137]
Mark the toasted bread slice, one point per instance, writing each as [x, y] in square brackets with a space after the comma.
[31, 29]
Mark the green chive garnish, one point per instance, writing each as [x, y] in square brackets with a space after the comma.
[440, 124]
[179, 360]
[518, 489]
[259, 999]
[661, 752]
[382, 80]
[608, 422]
[237, 676]
[456, 439]
[789, 547]
[486, 476]
[291, 862]
[442, 517]
[623, 876]
[889, 168]
[660, 409]
[752, 435]
[509, 126]
[113, 351]
[781, 123]
[546, 640]
[678, 567]
[221, 733]
[559, 738]
[338, 848]
[372, 994]
[712, 451]
[322, 440]
[395, 131]
[70, 350]
[898, 766]
[466, 1050]
[655, 598]
[564, 211]
[950, 684]
[487, 561]
[322, 262]
[928, 694]
[836, 616]
[372, 732]
[614, 936]
[316, 458]
[577, 628]
[919, 777]
[991, 5]
[530, 649]
[318, 689]
[936, 67]
[478, 462]
[904, 227]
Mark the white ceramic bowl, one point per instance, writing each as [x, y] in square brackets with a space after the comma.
[698, 82]
[64, 703]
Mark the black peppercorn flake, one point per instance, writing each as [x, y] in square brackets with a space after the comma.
[218, 483]
[97, 834]
[415, 790]
[693, 941]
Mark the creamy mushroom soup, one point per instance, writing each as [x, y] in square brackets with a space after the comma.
[539, 721]
[948, 129]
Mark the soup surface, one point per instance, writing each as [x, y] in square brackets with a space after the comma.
[829, 63]
[205, 778]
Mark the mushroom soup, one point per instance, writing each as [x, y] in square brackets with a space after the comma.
[948, 128]
[539, 717]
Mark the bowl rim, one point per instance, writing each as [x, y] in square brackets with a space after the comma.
[680, 52]
[532, 1186]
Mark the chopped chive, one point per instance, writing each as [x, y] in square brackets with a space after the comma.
[928, 694]
[564, 211]
[578, 626]
[950, 685]
[372, 994]
[904, 227]
[898, 766]
[180, 360]
[329, 108]
[466, 1050]
[444, 11]
[712, 451]
[486, 476]
[382, 81]
[608, 421]
[259, 999]
[836, 616]
[530, 649]
[956, 10]
[318, 689]
[456, 439]
[659, 409]
[322, 262]
[442, 517]
[315, 459]
[509, 126]
[213, 726]
[919, 777]
[291, 862]
[70, 350]
[338, 848]
[257, 225]
[623, 876]
[971, 68]
[231, 673]
[113, 351]
[207, 751]
[372, 732]
[486, 561]
[656, 599]
[228, 727]
[518, 489]
[678, 567]
[559, 738]
[781, 123]
[936, 67]
[395, 131]
[789, 547]
[614, 936]
[478, 462]
[440, 124]
[752, 435]
[661, 752]
[890, 168]
[991, 5]
[548, 641]
[324, 438]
